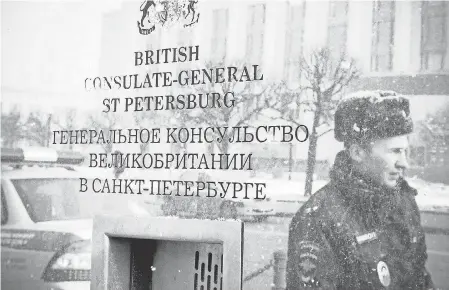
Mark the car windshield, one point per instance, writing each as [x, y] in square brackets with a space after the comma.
[55, 199]
[61, 199]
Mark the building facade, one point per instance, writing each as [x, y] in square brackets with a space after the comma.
[397, 45]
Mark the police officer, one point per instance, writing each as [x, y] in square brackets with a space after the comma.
[362, 230]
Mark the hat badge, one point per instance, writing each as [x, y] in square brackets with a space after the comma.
[383, 273]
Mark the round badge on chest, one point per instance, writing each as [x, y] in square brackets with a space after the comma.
[383, 273]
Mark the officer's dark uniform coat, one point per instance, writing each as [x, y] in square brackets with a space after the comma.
[354, 235]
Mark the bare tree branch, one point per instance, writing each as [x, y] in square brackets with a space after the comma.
[322, 80]
[325, 132]
[250, 100]
[104, 122]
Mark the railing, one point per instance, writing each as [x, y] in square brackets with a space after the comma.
[279, 265]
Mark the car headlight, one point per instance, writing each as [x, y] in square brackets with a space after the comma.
[72, 263]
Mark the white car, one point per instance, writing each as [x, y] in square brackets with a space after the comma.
[46, 224]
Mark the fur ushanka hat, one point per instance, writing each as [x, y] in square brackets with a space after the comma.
[370, 115]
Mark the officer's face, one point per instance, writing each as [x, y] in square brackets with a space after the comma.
[387, 160]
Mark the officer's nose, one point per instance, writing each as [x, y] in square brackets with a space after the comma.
[402, 162]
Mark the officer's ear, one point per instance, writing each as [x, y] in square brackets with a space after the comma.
[357, 152]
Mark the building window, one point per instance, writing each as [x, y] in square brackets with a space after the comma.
[255, 35]
[337, 28]
[4, 209]
[433, 41]
[186, 37]
[383, 35]
[154, 43]
[294, 40]
[219, 34]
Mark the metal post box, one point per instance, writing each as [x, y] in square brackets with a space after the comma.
[166, 253]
